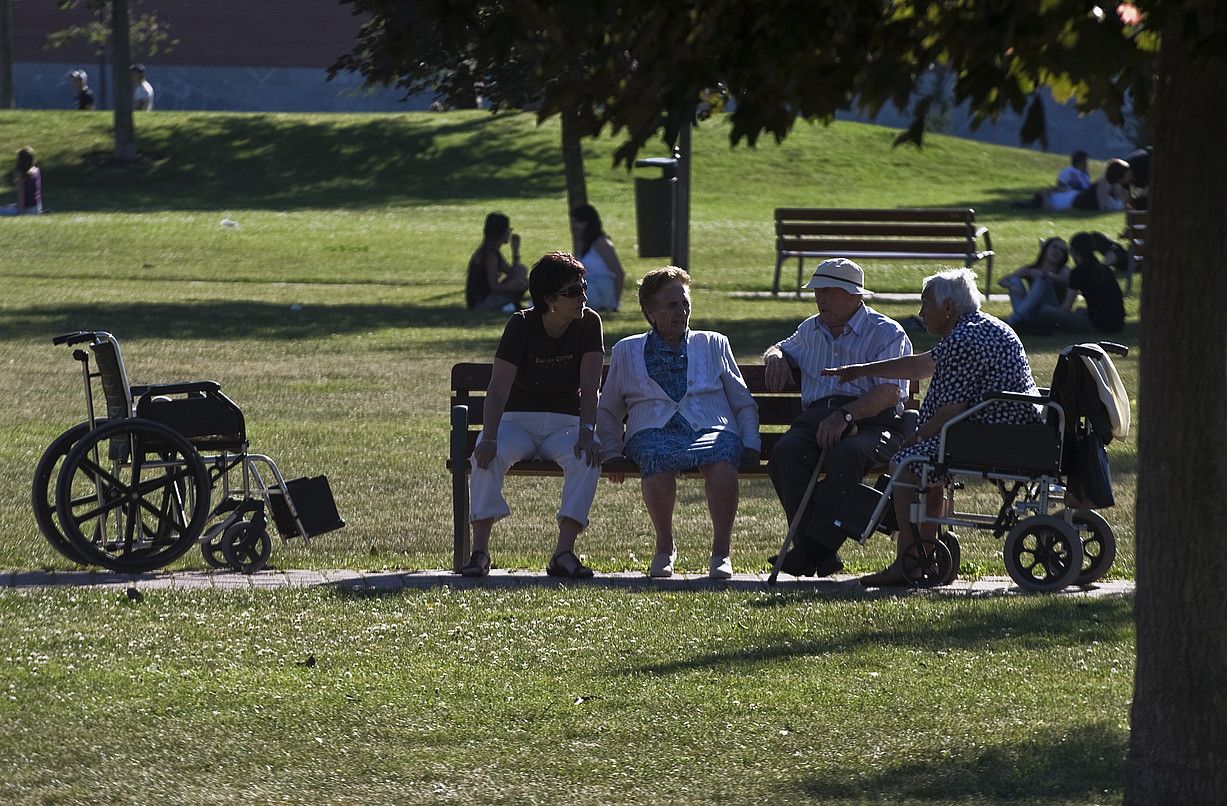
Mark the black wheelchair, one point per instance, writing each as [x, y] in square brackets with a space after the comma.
[1035, 468]
[167, 468]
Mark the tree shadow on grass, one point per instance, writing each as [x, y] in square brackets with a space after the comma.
[1044, 624]
[1084, 763]
[212, 162]
[223, 320]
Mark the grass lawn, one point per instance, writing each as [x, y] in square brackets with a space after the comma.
[332, 314]
[568, 695]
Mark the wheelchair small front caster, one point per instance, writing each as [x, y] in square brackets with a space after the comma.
[211, 550]
[927, 563]
[246, 548]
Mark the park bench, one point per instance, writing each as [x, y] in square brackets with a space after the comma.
[776, 411]
[1134, 236]
[938, 234]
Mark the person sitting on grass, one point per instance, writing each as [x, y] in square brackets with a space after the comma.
[28, 180]
[686, 407]
[541, 403]
[596, 252]
[1037, 285]
[1095, 281]
[491, 283]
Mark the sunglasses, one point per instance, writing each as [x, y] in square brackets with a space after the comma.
[575, 291]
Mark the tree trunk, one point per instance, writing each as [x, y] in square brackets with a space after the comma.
[681, 207]
[573, 166]
[6, 54]
[1178, 743]
[125, 137]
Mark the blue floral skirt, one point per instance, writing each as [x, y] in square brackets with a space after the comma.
[678, 447]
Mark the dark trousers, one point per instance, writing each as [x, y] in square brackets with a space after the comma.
[795, 456]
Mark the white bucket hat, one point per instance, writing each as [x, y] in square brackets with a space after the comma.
[841, 273]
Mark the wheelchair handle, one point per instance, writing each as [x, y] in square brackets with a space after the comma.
[1020, 397]
[73, 338]
[1114, 348]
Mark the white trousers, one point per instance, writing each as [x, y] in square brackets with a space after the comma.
[529, 435]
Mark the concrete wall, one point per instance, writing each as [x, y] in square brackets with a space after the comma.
[45, 85]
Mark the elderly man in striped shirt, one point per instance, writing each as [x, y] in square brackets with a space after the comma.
[855, 424]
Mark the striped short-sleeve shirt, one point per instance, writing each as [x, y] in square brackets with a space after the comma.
[868, 336]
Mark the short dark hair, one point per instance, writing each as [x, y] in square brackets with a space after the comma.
[552, 273]
[1077, 157]
[137, 67]
[654, 281]
[1082, 247]
[1116, 171]
[496, 225]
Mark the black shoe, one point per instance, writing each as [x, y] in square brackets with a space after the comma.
[576, 571]
[889, 577]
[477, 566]
[831, 565]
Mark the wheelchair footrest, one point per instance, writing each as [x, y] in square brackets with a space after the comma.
[312, 497]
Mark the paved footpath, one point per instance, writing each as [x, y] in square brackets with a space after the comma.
[843, 585]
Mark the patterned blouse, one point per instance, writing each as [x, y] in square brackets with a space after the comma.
[980, 356]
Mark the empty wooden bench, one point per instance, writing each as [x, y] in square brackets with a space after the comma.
[776, 411]
[938, 234]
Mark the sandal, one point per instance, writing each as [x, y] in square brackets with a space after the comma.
[477, 566]
[578, 571]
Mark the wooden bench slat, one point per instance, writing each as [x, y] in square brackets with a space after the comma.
[885, 247]
[870, 214]
[791, 229]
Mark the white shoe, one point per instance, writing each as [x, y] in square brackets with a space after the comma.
[721, 568]
[662, 564]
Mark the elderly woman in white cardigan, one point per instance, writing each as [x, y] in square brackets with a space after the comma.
[686, 407]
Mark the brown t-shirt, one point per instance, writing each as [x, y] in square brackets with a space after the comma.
[547, 375]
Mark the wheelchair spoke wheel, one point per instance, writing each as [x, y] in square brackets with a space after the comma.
[43, 499]
[1043, 554]
[132, 495]
[246, 547]
[926, 563]
[1098, 545]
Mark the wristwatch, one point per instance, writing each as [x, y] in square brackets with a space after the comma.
[847, 415]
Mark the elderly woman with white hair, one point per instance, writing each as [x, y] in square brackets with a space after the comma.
[976, 356]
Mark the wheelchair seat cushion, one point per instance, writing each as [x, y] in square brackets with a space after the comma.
[210, 422]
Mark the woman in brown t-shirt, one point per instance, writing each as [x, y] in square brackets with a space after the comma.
[541, 402]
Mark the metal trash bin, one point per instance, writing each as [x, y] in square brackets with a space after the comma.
[654, 206]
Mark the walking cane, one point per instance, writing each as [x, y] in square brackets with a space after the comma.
[796, 520]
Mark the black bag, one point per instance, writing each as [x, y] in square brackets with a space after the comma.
[1090, 477]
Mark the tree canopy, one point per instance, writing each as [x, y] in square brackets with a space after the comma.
[637, 66]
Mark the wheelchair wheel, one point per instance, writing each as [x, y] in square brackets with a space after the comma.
[1098, 545]
[41, 492]
[926, 563]
[138, 511]
[951, 541]
[1043, 554]
[211, 550]
[246, 547]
